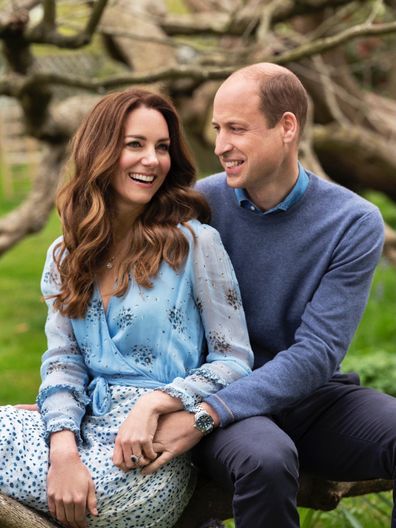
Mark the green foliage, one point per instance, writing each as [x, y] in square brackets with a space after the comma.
[377, 370]
[369, 511]
[372, 353]
[308, 517]
[178, 7]
[385, 204]
[377, 330]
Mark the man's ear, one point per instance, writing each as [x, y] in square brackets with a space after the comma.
[289, 127]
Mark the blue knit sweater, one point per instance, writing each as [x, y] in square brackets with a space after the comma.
[304, 275]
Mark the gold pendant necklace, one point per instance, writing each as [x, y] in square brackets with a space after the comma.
[109, 263]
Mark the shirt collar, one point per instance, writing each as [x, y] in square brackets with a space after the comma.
[294, 195]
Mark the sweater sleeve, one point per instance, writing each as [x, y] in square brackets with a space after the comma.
[62, 397]
[327, 326]
[218, 299]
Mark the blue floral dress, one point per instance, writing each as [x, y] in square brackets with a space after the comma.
[186, 336]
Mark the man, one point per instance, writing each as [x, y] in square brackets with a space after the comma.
[304, 251]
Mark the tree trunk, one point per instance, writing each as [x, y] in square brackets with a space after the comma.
[15, 515]
[212, 502]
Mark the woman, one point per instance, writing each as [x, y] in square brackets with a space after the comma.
[135, 288]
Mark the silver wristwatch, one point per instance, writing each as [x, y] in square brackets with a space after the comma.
[203, 421]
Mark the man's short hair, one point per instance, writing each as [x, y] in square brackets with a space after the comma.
[280, 93]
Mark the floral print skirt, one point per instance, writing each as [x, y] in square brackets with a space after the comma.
[125, 500]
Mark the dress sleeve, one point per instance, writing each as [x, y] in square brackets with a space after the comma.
[62, 397]
[218, 299]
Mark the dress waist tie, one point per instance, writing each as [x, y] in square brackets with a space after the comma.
[99, 393]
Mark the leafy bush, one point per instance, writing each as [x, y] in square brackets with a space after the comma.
[377, 370]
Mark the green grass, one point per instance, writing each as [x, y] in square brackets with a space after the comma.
[20, 185]
[22, 339]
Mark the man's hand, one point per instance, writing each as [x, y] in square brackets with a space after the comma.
[175, 435]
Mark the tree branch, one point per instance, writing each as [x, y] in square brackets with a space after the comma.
[8, 19]
[212, 502]
[33, 213]
[100, 85]
[360, 157]
[198, 73]
[267, 16]
[306, 152]
[329, 91]
[95, 18]
[15, 515]
[7, 87]
[49, 17]
[200, 24]
[16, 49]
[215, 23]
[327, 43]
[45, 33]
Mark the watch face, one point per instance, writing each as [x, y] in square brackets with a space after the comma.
[204, 422]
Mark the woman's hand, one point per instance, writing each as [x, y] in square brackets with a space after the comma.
[134, 441]
[70, 488]
[135, 438]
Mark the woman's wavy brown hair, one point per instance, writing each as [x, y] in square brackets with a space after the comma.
[86, 204]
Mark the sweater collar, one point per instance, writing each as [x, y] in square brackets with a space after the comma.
[294, 195]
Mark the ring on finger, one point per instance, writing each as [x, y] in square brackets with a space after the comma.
[136, 458]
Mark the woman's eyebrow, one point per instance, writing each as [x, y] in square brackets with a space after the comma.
[137, 136]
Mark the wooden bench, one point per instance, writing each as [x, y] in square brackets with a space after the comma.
[211, 502]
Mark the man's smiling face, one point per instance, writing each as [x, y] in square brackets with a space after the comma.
[251, 153]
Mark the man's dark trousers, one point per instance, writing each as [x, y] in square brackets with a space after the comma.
[341, 432]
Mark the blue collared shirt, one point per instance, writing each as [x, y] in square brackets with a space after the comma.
[294, 195]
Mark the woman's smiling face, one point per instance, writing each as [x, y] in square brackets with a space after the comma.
[144, 162]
